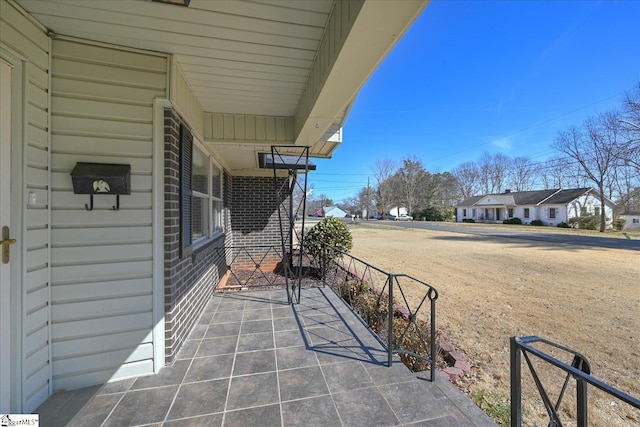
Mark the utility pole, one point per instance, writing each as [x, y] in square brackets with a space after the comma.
[368, 197]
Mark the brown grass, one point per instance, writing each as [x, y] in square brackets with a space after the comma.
[587, 299]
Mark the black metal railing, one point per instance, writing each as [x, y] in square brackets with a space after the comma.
[251, 267]
[391, 304]
[578, 369]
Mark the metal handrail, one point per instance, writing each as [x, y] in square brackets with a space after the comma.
[579, 369]
[392, 282]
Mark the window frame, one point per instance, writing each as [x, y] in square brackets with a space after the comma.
[526, 212]
[552, 213]
[188, 148]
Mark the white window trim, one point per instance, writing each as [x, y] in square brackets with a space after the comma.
[212, 233]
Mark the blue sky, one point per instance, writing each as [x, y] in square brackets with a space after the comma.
[496, 76]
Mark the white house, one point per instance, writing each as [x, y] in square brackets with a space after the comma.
[549, 206]
[632, 220]
[186, 99]
[335, 211]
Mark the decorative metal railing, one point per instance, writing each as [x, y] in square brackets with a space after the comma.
[579, 370]
[399, 308]
[391, 304]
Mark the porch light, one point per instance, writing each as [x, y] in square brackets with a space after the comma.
[176, 2]
[101, 178]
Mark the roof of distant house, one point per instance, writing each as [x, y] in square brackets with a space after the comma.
[554, 196]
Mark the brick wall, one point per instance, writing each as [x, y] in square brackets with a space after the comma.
[250, 218]
[188, 282]
[254, 218]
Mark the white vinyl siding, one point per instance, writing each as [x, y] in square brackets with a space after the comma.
[101, 261]
[184, 100]
[27, 41]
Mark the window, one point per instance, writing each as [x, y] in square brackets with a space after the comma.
[473, 212]
[596, 210]
[200, 194]
[464, 212]
[583, 210]
[552, 213]
[510, 212]
[526, 212]
[636, 221]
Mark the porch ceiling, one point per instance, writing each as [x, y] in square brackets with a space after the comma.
[301, 60]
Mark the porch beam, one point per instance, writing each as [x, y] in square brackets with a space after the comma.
[358, 36]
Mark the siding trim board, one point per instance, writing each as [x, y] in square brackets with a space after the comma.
[26, 47]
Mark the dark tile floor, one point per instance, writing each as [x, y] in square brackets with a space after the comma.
[254, 360]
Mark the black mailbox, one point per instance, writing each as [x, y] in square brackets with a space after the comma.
[101, 178]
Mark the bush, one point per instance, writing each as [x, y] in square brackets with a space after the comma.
[618, 224]
[563, 225]
[436, 213]
[537, 222]
[586, 222]
[512, 221]
[469, 220]
[332, 231]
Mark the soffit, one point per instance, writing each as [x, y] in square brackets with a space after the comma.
[275, 58]
[238, 57]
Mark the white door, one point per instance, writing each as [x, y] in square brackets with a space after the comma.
[5, 196]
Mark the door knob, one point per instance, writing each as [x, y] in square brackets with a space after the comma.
[5, 243]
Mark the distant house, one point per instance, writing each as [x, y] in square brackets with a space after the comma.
[550, 206]
[632, 220]
[328, 211]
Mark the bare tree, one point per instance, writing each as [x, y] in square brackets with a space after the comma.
[522, 174]
[553, 172]
[467, 177]
[493, 171]
[629, 122]
[593, 146]
[382, 170]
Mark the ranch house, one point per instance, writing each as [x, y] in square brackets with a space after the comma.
[549, 206]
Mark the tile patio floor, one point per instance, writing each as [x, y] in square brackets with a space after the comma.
[254, 360]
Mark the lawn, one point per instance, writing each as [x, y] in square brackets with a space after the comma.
[490, 288]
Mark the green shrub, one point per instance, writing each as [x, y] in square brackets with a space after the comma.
[586, 222]
[563, 225]
[436, 213]
[512, 221]
[332, 231]
[618, 224]
[537, 222]
[469, 220]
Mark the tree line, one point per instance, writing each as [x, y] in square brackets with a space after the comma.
[603, 152]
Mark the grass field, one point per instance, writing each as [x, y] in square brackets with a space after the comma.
[586, 298]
